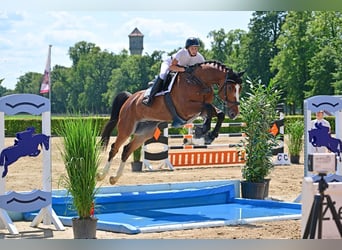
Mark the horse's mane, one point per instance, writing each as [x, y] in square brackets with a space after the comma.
[216, 64]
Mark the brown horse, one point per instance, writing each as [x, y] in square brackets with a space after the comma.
[191, 95]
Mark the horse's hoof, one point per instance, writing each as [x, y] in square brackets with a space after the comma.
[100, 176]
[208, 140]
[112, 180]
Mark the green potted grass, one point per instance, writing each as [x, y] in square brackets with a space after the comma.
[137, 163]
[81, 156]
[258, 110]
[295, 131]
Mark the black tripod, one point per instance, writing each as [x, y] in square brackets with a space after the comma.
[316, 213]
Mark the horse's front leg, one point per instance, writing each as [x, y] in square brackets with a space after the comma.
[212, 135]
[124, 156]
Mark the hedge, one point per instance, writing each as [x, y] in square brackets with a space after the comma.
[14, 125]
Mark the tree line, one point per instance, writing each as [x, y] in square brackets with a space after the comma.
[298, 51]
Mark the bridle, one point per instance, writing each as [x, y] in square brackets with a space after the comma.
[227, 103]
[206, 89]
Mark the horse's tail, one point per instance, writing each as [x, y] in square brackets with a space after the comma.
[118, 101]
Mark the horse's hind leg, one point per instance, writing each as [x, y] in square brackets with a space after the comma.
[135, 143]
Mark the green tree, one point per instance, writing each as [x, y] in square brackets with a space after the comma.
[78, 74]
[81, 48]
[99, 67]
[133, 75]
[228, 47]
[325, 35]
[291, 63]
[264, 30]
[61, 87]
[89, 78]
[3, 90]
[29, 83]
[321, 66]
[219, 46]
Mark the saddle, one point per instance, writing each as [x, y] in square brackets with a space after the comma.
[167, 86]
[165, 90]
[169, 78]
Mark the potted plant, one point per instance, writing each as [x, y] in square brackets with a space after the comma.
[258, 111]
[295, 131]
[81, 156]
[137, 163]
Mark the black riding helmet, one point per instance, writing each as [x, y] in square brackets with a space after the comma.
[192, 41]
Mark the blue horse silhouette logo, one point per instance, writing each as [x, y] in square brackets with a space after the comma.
[320, 136]
[25, 144]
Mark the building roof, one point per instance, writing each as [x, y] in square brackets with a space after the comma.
[136, 32]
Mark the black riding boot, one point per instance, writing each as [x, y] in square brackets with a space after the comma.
[157, 86]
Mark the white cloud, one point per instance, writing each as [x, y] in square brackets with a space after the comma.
[5, 43]
[25, 36]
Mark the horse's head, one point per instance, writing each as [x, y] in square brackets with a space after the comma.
[229, 92]
[43, 140]
[229, 82]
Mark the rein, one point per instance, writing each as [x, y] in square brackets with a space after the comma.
[225, 103]
[192, 78]
[207, 89]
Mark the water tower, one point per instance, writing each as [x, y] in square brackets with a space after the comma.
[136, 42]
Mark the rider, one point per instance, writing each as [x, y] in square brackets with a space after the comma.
[187, 56]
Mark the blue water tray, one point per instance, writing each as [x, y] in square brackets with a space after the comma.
[173, 206]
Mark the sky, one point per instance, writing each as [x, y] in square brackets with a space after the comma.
[25, 35]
